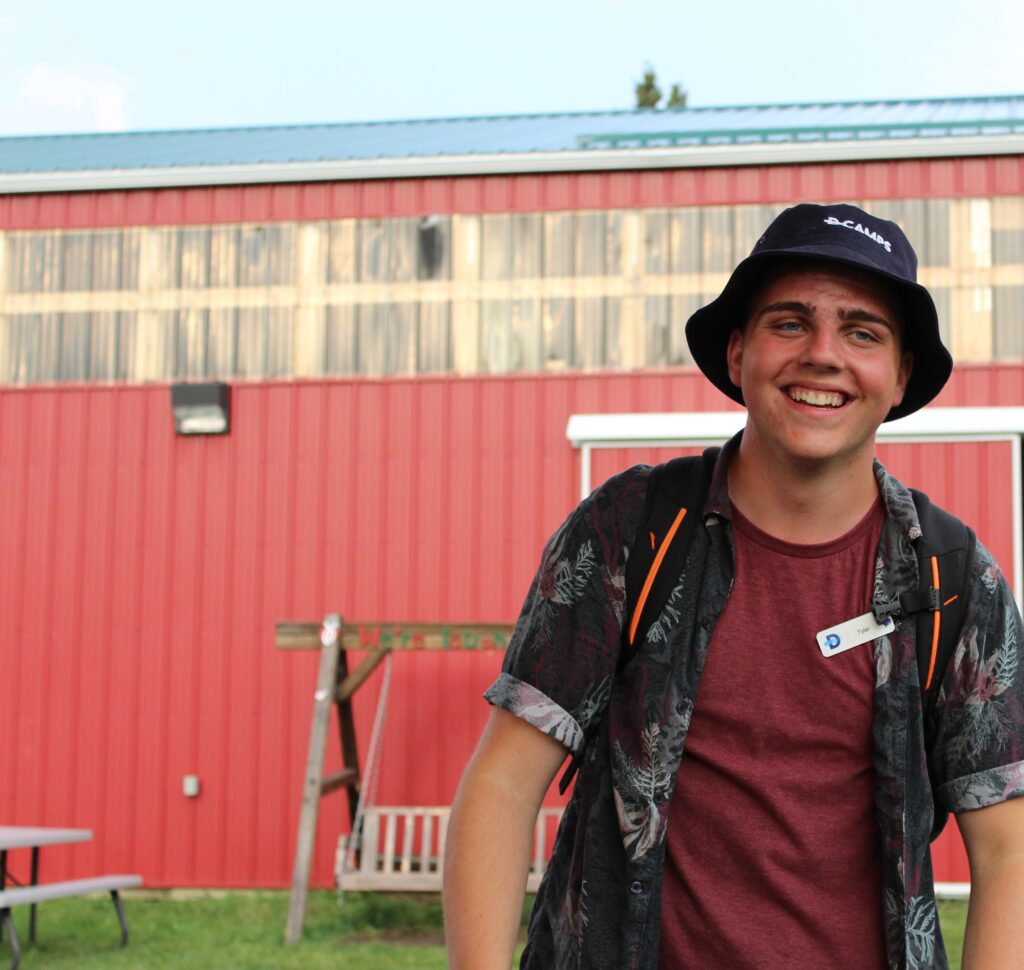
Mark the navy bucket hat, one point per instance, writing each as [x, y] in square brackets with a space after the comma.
[837, 234]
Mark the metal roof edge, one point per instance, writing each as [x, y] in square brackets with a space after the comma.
[508, 163]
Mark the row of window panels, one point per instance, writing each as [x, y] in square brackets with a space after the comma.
[491, 336]
[529, 245]
[367, 340]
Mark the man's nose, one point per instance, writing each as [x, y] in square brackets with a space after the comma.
[821, 349]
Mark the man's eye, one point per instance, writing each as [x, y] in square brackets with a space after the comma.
[789, 325]
[864, 336]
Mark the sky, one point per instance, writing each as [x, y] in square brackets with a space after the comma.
[106, 65]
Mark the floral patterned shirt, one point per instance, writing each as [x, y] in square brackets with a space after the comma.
[600, 901]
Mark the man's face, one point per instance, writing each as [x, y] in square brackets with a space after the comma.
[820, 363]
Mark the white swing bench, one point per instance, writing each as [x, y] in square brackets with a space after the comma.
[402, 849]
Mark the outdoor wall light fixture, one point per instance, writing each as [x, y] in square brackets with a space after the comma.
[201, 408]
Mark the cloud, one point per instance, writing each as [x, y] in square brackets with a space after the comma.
[84, 97]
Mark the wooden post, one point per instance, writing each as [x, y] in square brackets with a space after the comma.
[326, 692]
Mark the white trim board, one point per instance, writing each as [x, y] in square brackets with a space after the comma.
[589, 431]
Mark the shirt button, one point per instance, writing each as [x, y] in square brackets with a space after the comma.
[706, 623]
[636, 888]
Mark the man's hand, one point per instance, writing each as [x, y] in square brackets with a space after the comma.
[994, 837]
[487, 854]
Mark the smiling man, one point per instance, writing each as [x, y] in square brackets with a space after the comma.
[748, 797]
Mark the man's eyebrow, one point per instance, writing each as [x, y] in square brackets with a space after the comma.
[787, 306]
[858, 315]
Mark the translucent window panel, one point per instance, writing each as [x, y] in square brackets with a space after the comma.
[159, 257]
[127, 326]
[682, 308]
[656, 336]
[193, 341]
[224, 255]
[373, 250]
[434, 351]
[108, 253]
[33, 262]
[76, 261]
[613, 332]
[403, 250]
[495, 247]
[591, 243]
[590, 338]
[266, 255]
[130, 251]
[280, 342]
[558, 244]
[341, 340]
[73, 348]
[557, 323]
[527, 333]
[657, 237]
[401, 339]
[527, 245]
[1008, 247]
[385, 339]
[717, 242]
[155, 346]
[104, 344]
[222, 341]
[251, 352]
[342, 252]
[434, 248]
[496, 351]
[613, 243]
[194, 258]
[1008, 321]
[685, 231]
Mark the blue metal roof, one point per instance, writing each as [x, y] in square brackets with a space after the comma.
[520, 134]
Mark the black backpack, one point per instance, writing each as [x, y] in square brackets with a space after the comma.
[676, 493]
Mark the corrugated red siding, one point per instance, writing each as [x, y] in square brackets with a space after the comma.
[141, 576]
[377, 199]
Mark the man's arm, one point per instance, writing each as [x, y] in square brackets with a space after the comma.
[994, 837]
[490, 835]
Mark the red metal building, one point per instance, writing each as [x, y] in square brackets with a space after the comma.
[142, 574]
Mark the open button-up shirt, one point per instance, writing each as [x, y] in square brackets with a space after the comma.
[599, 904]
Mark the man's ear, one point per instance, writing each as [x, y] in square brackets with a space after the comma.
[906, 368]
[734, 355]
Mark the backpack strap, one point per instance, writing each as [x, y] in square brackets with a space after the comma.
[945, 552]
[676, 493]
[944, 555]
[658, 554]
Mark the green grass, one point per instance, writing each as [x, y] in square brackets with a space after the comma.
[244, 931]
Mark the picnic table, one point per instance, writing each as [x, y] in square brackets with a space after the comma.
[34, 838]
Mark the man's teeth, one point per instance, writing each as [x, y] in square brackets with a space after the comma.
[831, 399]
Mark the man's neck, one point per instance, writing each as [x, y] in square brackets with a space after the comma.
[801, 502]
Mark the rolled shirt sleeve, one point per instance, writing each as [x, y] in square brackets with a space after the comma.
[564, 651]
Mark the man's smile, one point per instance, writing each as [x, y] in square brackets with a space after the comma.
[816, 397]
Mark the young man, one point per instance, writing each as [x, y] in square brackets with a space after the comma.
[781, 815]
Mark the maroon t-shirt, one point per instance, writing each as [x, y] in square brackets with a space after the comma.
[774, 853]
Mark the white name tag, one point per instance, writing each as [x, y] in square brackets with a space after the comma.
[853, 633]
